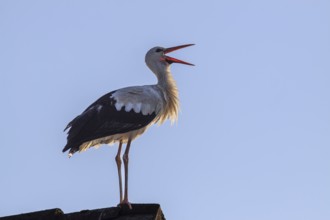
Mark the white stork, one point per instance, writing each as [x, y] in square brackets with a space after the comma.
[124, 114]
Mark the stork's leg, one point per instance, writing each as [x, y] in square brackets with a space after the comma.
[118, 161]
[125, 158]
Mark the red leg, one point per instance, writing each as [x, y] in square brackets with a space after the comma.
[118, 161]
[125, 158]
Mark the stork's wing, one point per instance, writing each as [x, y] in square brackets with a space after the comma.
[102, 119]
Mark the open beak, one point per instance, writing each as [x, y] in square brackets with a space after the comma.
[174, 60]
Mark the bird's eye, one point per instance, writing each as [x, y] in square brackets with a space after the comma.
[159, 50]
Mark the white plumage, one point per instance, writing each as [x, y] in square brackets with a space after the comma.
[142, 99]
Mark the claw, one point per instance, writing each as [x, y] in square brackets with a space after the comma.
[125, 203]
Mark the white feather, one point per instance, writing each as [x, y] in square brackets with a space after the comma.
[119, 105]
[128, 106]
[137, 107]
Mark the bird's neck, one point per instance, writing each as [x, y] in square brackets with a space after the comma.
[170, 92]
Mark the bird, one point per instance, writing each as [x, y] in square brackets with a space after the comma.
[124, 114]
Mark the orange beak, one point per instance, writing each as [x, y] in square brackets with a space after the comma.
[171, 60]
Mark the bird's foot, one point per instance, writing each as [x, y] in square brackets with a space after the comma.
[125, 202]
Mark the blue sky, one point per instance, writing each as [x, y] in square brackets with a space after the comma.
[252, 140]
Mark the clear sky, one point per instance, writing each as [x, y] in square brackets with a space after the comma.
[253, 136]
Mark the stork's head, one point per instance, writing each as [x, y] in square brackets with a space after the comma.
[157, 60]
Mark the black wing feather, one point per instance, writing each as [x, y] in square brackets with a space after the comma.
[102, 119]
